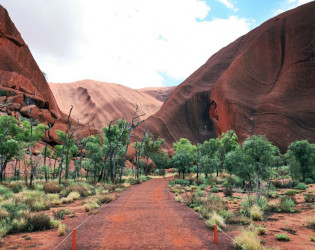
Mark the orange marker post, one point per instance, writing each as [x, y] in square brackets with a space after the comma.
[215, 229]
[115, 196]
[73, 238]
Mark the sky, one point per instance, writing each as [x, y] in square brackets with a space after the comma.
[136, 43]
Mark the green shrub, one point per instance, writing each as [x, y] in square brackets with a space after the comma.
[203, 186]
[133, 181]
[301, 186]
[59, 214]
[199, 192]
[142, 178]
[312, 238]
[38, 222]
[287, 204]
[171, 183]
[292, 192]
[282, 237]
[309, 197]
[309, 181]
[15, 210]
[5, 192]
[181, 182]
[226, 214]
[273, 194]
[215, 189]
[16, 187]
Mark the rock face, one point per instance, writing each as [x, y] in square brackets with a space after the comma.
[97, 103]
[262, 83]
[159, 93]
[24, 90]
[20, 76]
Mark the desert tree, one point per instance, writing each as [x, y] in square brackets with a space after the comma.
[150, 146]
[184, 157]
[301, 159]
[8, 145]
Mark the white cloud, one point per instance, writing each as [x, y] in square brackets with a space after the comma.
[228, 4]
[289, 4]
[124, 41]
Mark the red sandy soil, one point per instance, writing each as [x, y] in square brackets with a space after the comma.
[274, 223]
[142, 218]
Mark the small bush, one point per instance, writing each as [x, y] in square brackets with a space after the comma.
[81, 189]
[292, 192]
[247, 240]
[240, 220]
[181, 182]
[16, 187]
[228, 191]
[274, 206]
[286, 204]
[142, 178]
[256, 213]
[179, 199]
[133, 181]
[282, 237]
[87, 208]
[60, 214]
[309, 198]
[215, 189]
[261, 230]
[61, 229]
[215, 220]
[5, 192]
[38, 222]
[199, 192]
[312, 238]
[273, 194]
[73, 195]
[102, 199]
[301, 186]
[53, 223]
[311, 222]
[51, 188]
[309, 181]
[3, 214]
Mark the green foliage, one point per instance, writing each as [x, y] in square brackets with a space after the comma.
[287, 204]
[215, 189]
[309, 197]
[184, 157]
[161, 159]
[301, 186]
[182, 182]
[301, 158]
[282, 237]
[309, 181]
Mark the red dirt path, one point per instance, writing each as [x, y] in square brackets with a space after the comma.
[144, 218]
